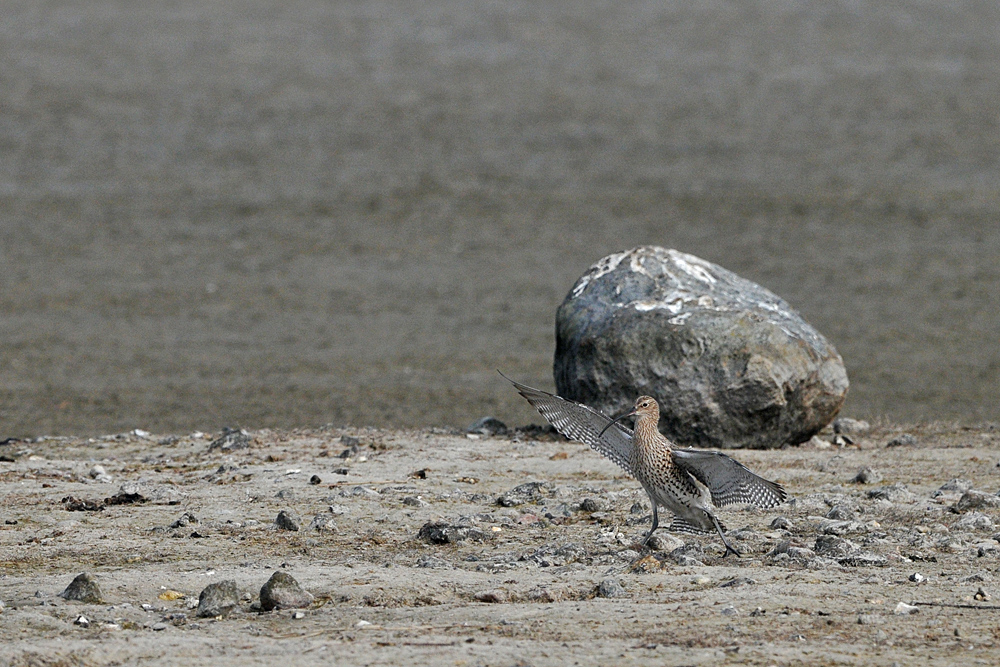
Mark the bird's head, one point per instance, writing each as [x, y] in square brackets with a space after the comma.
[646, 406]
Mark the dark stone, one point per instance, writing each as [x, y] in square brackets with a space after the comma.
[590, 505]
[731, 363]
[896, 493]
[218, 599]
[737, 582]
[525, 493]
[126, 499]
[867, 476]
[353, 446]
[974, 500]
[487, 426]
[954, 485]
[834, 547]
[315, 479]
[282, 592]
[286, 520]
[74, 504]
[611, 588]
[439, 532]
[230, 440]
[864, 559]
[782, 523]
[83, 588]
[840, 513]
[689, 554]
[848, 426]
[904, 440]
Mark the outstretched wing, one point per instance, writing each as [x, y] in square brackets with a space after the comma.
[729, 481]
[579, 422]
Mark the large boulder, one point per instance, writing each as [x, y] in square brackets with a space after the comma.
[731, 364]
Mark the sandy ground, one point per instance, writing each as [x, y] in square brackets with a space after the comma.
[523, 590]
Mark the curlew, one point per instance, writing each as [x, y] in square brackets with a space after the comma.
[687, 482]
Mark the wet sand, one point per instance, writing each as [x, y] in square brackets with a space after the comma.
[292, 214]
[522, 588]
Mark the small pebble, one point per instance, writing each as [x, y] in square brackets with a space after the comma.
[159, 627]
[981, 595]
[916, 577]
[315, 479]
[82, 621]
[903, 609]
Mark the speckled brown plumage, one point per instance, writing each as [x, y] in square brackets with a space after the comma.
[687, 482]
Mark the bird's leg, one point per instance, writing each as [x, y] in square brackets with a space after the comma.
[656, 522]
[729, 547]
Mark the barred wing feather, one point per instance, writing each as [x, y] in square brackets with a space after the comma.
[729, 481]
[579, 422]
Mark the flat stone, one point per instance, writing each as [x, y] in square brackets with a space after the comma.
[525, 493]
[896, 493]
[282, 591]
[487, 426]
[740, 367]
[904, 440]
[440, 532]
[864, 559]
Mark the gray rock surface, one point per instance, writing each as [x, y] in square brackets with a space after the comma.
[439, 532]
[287, 520]
[282, 591]
[83, 588]
[218, 599]
[731, 363]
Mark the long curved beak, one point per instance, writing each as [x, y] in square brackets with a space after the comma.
[615, 421]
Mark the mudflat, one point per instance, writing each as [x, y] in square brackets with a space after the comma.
[531, 557]
[285, 214]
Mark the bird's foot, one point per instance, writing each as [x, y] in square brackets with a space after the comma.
[730, 549]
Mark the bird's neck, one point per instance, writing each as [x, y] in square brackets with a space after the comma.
[648, 435]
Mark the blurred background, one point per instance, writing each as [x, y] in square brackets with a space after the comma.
[268, 213]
